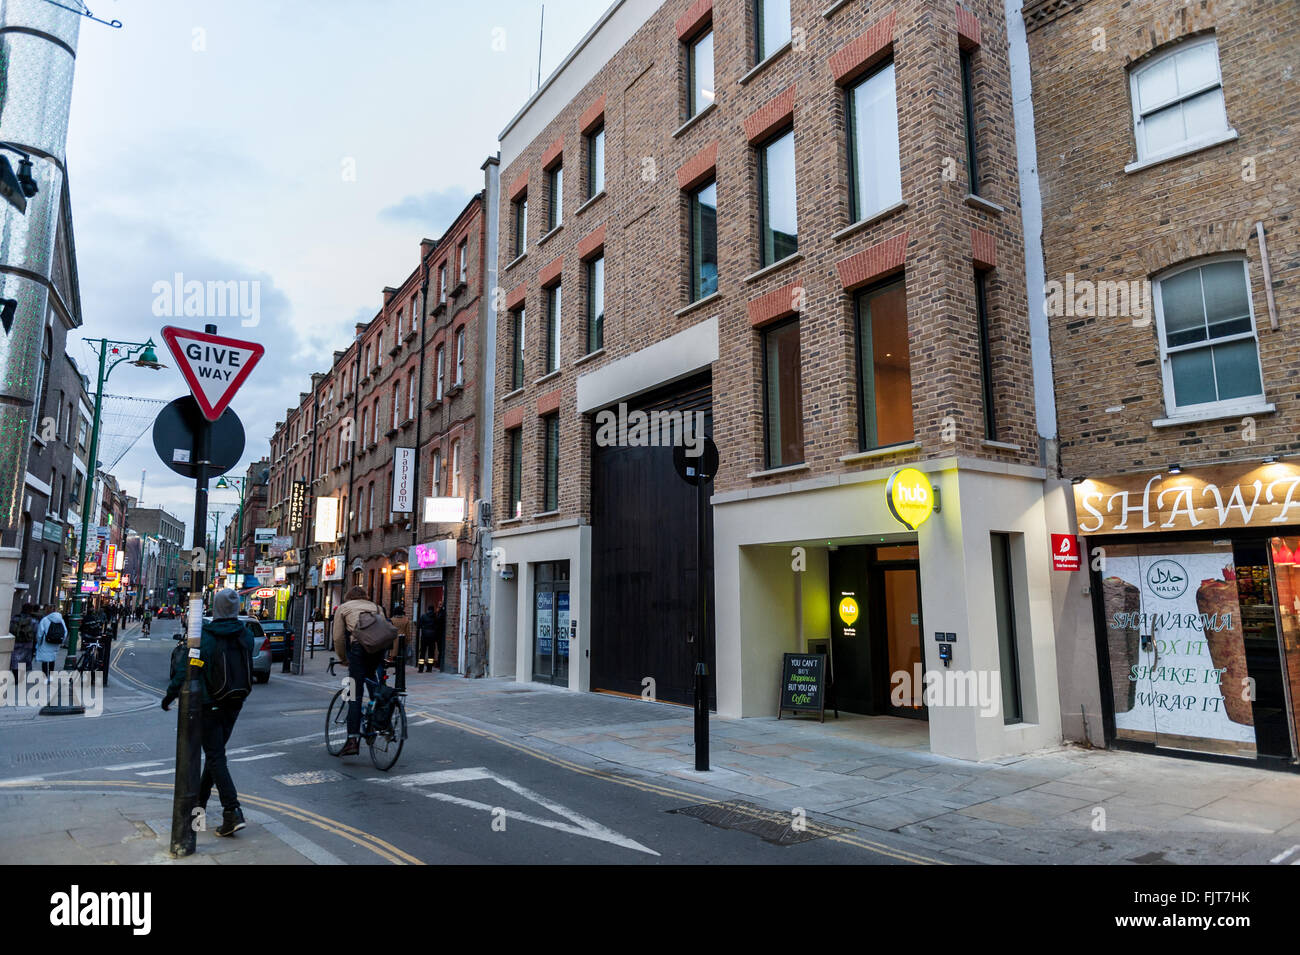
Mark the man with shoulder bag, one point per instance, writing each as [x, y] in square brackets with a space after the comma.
[362, 637]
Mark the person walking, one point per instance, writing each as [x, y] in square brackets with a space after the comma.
[23, 628]
[354, 613]
[50, 634]
[226, 651]
[429, 628]
[403, 625]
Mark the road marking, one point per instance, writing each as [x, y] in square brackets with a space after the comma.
[126, 766]
[158, 772]
[249, 759]
[1279, 859]
[579, 825]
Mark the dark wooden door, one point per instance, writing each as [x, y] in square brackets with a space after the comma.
[643, 578]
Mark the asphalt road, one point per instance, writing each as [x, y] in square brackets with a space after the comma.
[456, 795]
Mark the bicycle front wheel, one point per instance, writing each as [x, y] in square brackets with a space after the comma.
[385, 747]
[336, 724]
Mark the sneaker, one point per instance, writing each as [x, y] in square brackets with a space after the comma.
[232, 820]
[352, 747]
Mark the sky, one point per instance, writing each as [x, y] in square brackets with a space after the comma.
[303, 147]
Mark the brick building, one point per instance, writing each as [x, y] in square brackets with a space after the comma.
[1167, 148]
[405, 396]
[245, 551]
[804, 228]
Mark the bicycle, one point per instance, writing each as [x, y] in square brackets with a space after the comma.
[386, 744]
[91, 657]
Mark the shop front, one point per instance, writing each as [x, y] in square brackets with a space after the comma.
[433, 569]
[1196, 602]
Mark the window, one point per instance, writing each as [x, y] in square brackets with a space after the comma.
[884, 367]
[82, 431]
[968, 107]
[366, 364]
[1207, 337]
[365, 424]
[442, 284]
[704, 241]
[1004, 604]
[410, 396]
[783, 398]
[440, 365]
[397, 404]
[460, 356]
[415, 321]
[778, 232]
[462, 258]
[42, 373]
[551, 476]
[1178, 100]
[875, 180]
[596, 161]
[435, 472]
[596, 304]
[76, 488]
[771, 27]
[376, 419]
[521, 225]
[986, 355]
[515, 465]
[455, 469]
[553, 301]
[370, 525]
[699, 68]
[555, 194]
[517, 349]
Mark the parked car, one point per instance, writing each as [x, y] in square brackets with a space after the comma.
[261, 647]
[278, 631]
[166, 613]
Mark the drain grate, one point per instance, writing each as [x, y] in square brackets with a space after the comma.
[768, 824]
[86, 752]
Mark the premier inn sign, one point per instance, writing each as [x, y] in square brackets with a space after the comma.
[1244, 495]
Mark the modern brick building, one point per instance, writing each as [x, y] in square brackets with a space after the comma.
[395, 421]
[804, 227]
[1167, 148]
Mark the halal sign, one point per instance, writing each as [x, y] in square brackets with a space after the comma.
[214, 367]
[911, 497]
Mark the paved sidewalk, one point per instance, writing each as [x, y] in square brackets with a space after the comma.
[1069, 804]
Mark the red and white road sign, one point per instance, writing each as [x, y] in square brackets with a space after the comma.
[1065, 552]
[214, 367]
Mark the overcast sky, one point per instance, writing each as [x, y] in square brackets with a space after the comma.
[306, 145]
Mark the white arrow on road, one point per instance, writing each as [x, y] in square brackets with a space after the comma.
[582, 826]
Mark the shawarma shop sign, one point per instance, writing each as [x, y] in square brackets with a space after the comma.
[1266, 496]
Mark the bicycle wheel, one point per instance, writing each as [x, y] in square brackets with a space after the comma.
[336, 724]
[385, 747]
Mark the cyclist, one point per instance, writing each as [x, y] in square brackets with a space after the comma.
[145, 618]
[361, 663]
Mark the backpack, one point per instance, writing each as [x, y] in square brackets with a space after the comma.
[228, 675]
[374, 631]
[24, 630]
[55, 633]
[381, 714]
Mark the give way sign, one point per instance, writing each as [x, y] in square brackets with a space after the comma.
[214, 367]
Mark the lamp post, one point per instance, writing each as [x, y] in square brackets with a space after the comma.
[240, 485]
[118, 352]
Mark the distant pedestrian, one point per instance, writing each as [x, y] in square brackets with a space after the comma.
[24, 630]
[430, 631]
[403, 646]
[226, 651]
[51, 633]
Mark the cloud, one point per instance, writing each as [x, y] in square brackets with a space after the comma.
[434, 210]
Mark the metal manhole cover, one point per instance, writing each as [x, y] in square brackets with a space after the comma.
[86, 752]
[768, 824]
[309, 778]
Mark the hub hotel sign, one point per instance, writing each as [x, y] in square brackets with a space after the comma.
[911, 497]
[1227, 496]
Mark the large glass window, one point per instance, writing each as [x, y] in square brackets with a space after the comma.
[1178, 99]
[596, 304]
[1004, 605]
[596, 161]
[555, 204]
[700, 69]
[704, 241]
[772, 26]
[1207, 339]
[884, 367]
[783, 394]
[779, 234]
[876, 178]
[551, 475]
[553, 303]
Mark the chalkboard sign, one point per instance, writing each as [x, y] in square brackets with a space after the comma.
[803, 684]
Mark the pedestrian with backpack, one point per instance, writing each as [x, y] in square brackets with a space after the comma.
[50, 634]
[24, 631]
[226, 652]
[362, 636]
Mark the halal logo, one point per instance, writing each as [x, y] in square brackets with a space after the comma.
[1167, 579]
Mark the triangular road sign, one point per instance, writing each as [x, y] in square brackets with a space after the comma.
[214, 367]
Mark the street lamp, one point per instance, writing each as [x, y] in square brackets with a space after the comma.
[118, 352]
[237, 484]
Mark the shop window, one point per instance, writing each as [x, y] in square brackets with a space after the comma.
[783, 397]
[884, 367]
[1004, 604]
[699, 68]
[1209, 351]
[876, 178]
[704, 241]
[1178, 100]
[778, 227]
[771, 27]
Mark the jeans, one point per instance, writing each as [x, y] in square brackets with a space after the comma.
[218, 724]
[361, 667]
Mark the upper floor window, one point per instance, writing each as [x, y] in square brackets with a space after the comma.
[397, 404]
[440, 363]
[454, 476]
[553, 302]
[462, 258]
[968, 110]
[875, 180]
[521, 225]
[1178, 100]
[771, 27]
[783, 395]
[779, 233]
[365, 424]
[435, 471]
[699, 67]
[460, 356]
[366, 364]
[410, 396]
[596, 161]
[516, 489]
[596, 304]
[1209, 351]
[704, 241]
[555, 196]
[517, 349]
[442, 284]
[884, 367]
[551, 468]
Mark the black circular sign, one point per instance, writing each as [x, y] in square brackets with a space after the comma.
[703, 465]
[173, 438]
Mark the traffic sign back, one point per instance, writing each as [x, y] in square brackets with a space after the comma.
[214, 367]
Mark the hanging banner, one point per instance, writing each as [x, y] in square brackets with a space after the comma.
[327, 520]
[297, 505]
[403, 477]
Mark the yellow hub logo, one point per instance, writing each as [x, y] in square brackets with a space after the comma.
[848, 611]
[910, 496]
